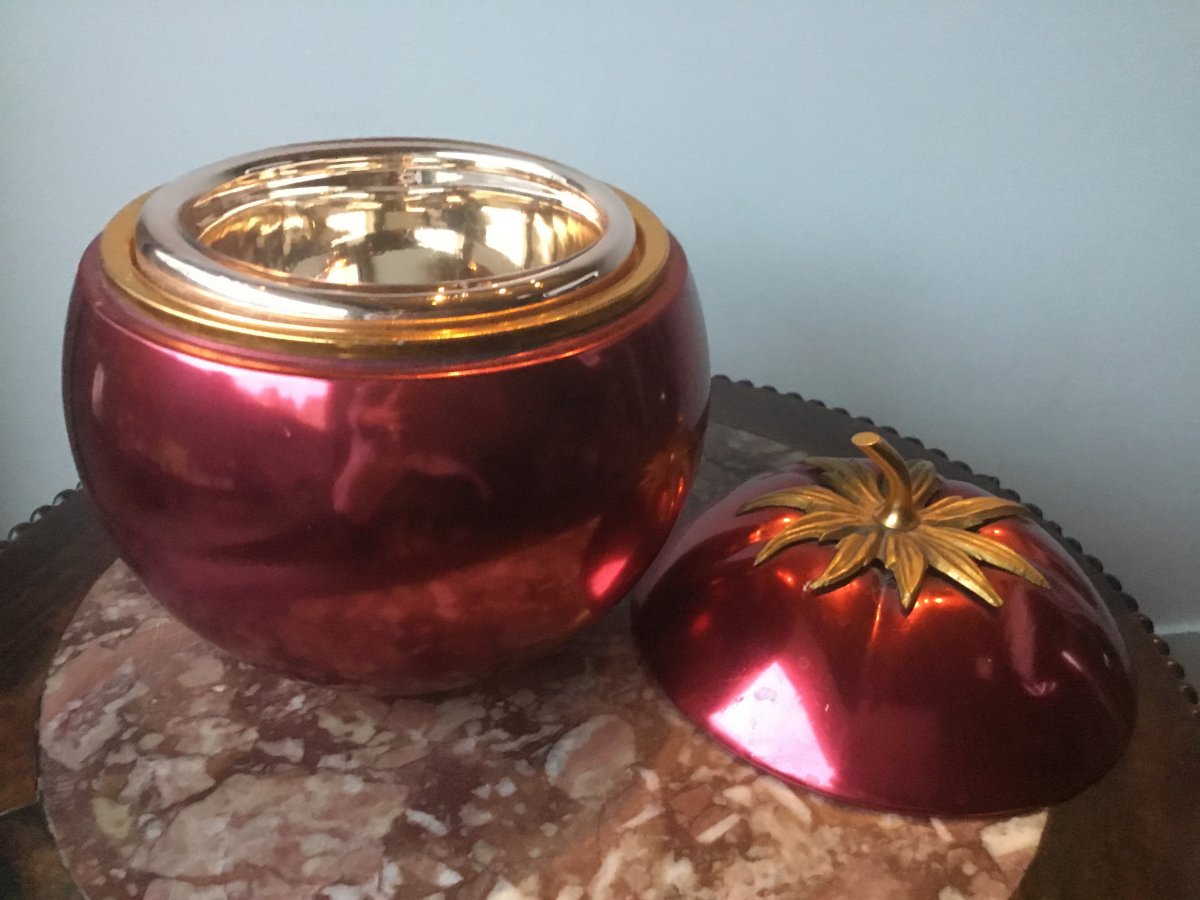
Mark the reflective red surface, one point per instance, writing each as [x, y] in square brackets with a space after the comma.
[384, 524]
[956, 708]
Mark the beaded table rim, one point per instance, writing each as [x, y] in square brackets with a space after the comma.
[43, 523]
[1186, 689]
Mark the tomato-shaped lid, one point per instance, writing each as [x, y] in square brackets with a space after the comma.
[891, 639]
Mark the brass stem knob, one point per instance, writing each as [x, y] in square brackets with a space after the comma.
[898, 511]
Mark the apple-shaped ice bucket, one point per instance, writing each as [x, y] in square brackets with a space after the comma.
[393, 413]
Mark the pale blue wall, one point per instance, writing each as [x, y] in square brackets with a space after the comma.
[977, 222]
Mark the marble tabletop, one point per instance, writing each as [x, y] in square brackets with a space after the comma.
[170, 770]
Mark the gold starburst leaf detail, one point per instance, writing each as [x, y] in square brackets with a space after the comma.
[896, 524]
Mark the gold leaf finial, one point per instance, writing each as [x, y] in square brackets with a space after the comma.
[895, 525]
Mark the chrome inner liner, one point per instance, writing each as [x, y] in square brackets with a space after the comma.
[384, 229]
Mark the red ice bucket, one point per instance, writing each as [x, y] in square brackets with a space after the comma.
[393, 413]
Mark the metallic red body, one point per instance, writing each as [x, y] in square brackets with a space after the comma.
[385, 524]
[956, 708]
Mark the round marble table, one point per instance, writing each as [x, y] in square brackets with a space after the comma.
[170, 770]
[1131, 836]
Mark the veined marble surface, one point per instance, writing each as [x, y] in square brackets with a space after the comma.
[170, 770]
